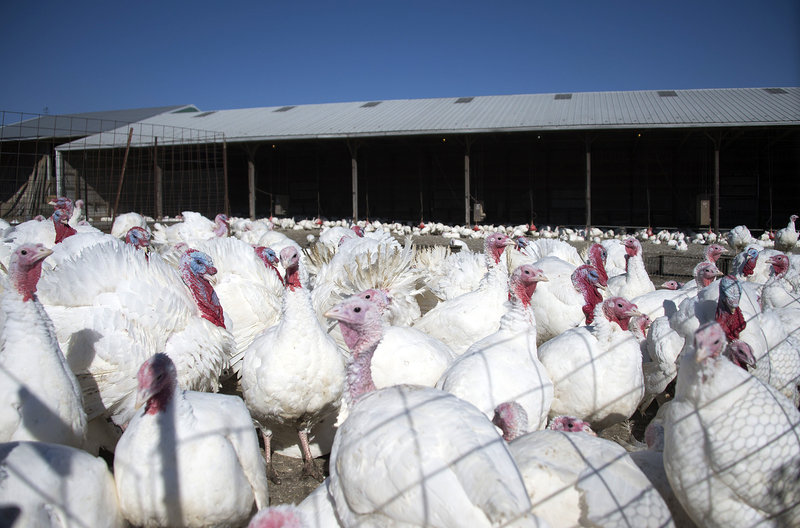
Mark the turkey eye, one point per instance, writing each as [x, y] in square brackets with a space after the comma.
[23, 252]
[570, 425]
[357, 309]
[368, 296]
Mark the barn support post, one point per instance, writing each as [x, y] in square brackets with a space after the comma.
[225, 176]
[716, 187]
[159, 186]
[353, 146]
[588, 185]
[59, 174]
[466, 188]
[251, 185]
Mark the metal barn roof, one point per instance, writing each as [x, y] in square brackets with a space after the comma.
[502, 113]
[74, 125]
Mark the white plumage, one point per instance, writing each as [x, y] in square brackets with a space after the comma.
[417, 456]
[191, 228]
[461, 321]
[40, 398]
[576, 479]
[108, 323]
[739, 238]
[56, 485]
[188, 458]
[125, 221]
[504, 366]
[450, 274]
[635, 281]
[597, 369]
[786, 238]
[293, 373]
[732, 451]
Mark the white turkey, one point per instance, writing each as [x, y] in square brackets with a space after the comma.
[782, 289]
[596, 256]
[191, 228]
[41, 398]
[417, 456]
[615, 256]
[449, 274]
[248, 288]
[576, 479]
[786, 238]
[597, 369]
[530, 251]
[187, 458]
[293, 373]
[739, 238]
[565, 300]
[504, 366]
[55, 485]
[461, 321]
[404, 354]
[125, 221]
[651, 462]
[109, 322]
[731, 449]
[635, 281]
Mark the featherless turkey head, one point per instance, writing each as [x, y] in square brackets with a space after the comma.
[730, 293]
[359, 320]
[794, 218]
[358, 230]
[25, 268]
[597, 256]
[523, 281]
[779, 264]
[63, 229]
[740, 354]
[714, 252]
[495, 244]
[570, 424]
[280, 516]
[639, 325]
[586, 279]
[654, 436]
[705, 273]
[138, 237]
[522, 242]
[709, 342]
[157, 380]
[222, 228]
[267, 255]
[379, 298]
[620, 310]
[671, 285]
[290, 260]
[512, 419]
[632, 247]
[750, 258]
[196, 270]
[64, 204]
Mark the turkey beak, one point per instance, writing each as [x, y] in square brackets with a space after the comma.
[334, 313]
[541, 278]
[42, 253]
[601, 286]
[142, 395]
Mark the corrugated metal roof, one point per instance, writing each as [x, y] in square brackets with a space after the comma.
[532, 112]
[74, 125]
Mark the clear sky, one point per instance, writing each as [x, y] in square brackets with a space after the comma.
[82, 56]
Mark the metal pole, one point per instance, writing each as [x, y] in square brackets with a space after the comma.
[354, 168]
[251, 181]
[225, 175]
[716, 187]
[158, 182]
[59, 174]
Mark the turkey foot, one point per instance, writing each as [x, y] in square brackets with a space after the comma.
[310, 469]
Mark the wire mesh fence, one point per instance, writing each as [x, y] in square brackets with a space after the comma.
[113, 166]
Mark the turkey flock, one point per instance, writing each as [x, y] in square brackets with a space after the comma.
[148, 375]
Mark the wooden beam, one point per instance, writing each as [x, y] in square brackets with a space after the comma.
[225, 176]
[158, 183]
[466, 189]
[251, 183]
[122, 174]
[716, 187]
[588, 187]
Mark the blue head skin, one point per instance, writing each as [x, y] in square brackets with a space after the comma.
[267, 254]
[730, 292]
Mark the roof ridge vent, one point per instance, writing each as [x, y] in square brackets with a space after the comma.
[667, 93]
[464, 99]
[284, 108]
[775, 91]
[371, 104]
[205, 114]
[563, 96]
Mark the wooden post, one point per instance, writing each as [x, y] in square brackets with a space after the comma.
[251, 182]
[158, 183]
[122, 174]
[354, 176]
[225, 176]
[588, 187]
[466, 188]
[716, 187]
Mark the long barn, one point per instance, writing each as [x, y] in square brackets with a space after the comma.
[668, 158]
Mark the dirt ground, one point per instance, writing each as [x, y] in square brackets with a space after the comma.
[294, 487]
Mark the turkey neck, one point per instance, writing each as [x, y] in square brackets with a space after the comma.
[520, 296]
[25, 281]
[596, 260]
[205, 297]
[63, 231]
[591, 298]
[362, 341]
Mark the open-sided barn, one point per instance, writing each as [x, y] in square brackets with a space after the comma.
[670, 158]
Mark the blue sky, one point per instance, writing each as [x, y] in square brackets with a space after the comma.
[104, 55]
